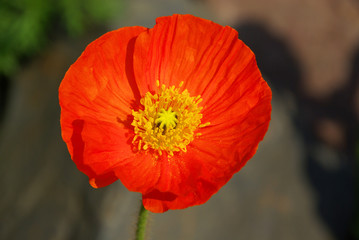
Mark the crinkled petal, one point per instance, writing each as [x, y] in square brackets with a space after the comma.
[96, 97]
[214, 63]
[183, 183]
[98, 148]
[211, 62]
[210, 162]
[206, 56]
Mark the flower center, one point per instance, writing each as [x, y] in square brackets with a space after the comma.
[168, 120]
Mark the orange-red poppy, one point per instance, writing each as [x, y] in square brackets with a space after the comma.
[173, 111]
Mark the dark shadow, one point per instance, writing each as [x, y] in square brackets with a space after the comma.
[131, 74]
[77, 142]
[353, 90]
[157, 195]
[278, 66]
[334, 187]
[4, 91]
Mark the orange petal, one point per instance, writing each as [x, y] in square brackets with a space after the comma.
[183, 183]
[215, 64]
[212, 62]
[206, 56]
[210, 162]
[97, 147]
[239, 114]
[100, 84]
[96, 97]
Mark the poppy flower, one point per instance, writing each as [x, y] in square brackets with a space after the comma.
[172, 111]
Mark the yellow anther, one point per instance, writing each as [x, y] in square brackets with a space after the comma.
[168, 120]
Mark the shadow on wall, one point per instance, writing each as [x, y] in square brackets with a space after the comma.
[329, 157]
[4, 88]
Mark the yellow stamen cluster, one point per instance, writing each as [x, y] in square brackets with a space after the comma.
[167, 121]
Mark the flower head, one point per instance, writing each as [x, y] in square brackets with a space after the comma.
[173, 111]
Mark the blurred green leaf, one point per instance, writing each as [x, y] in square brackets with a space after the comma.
[25, 25]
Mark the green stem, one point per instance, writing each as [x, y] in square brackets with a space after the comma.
[141, 223]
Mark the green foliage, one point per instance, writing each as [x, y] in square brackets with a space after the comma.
[26, 24]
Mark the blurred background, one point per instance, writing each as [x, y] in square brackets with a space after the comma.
[302, 183]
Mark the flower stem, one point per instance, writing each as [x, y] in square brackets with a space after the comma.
[141, 223]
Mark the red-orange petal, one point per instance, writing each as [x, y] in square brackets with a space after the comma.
[204, 55]
[209, 163]
[214, 63]
[120, 67]
[96, 97]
